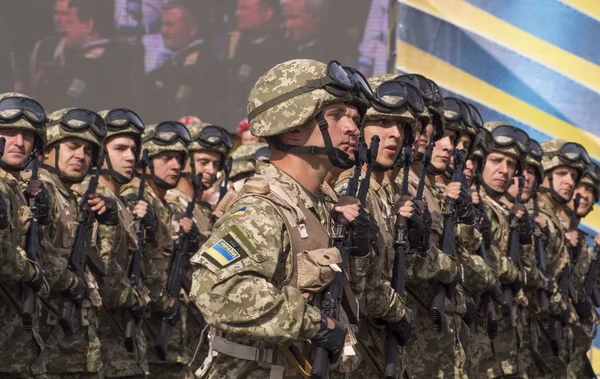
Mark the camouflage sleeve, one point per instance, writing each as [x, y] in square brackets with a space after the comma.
[535, 278]
[234, 273]
[556, 255]
[498, 260]
[381, 300]
[435, 265]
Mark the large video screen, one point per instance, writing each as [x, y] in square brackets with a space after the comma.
[170, 58]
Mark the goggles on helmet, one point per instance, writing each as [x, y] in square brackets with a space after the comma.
[14, 107]
[429, 90]
[460, 109]
[168, 132]
[340, 81]
[213, 135]
[506, 135]
[476, 118]
[123, 118]
[79, 119]
[593, 171]
[484, 141]
[571, 152]
[394, 94]
[536, 151]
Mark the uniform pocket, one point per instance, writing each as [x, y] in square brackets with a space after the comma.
[317, 268]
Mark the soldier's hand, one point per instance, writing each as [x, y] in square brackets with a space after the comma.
[541, 221]
[573, 237]
[348, 207]
[525, 229]
[186, 224]
[361, 233]
[331, 337]
[475, 198]
[34, 187]
[77, 291]
[140, 209]
[404, 327]
[39, 278]
[106, 209]
[97, 204]
[518, 210]
[465, 209]
[406, 206]
[452, 190]
[171, 312]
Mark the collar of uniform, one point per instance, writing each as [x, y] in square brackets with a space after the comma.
[7, 176]
[329, 193]
[550, 205]
[303, 195]
[488, 200]
[178, 196]
[67, 192]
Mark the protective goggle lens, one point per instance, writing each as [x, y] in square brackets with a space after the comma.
[215, 135]
[593, 171]
[485, 141]
[475, 116]
[574, 151]
[170, 131]
[505, 135]
[339, 75]
[536, 150]
[121, 118]
[78, 119]
[13, 107]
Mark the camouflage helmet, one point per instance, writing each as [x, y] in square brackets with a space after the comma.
[401, 115]
[123, 126]
[223, 146]
[534, 159]
[455, 125]
[19, 111]
[75, 123]
[152, 143]
[294, 112]
[591, 177]
[555, 156]
[510, 149]
[244, 158]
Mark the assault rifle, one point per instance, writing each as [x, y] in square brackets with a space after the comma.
[590, 289]
[439, 300]
[82, 253]
[399, 272]
[513, 256]
[31, 250]
[135, 266]
[543, 300]
[334, 292]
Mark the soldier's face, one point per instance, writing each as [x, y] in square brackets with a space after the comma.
[167, 166]
[529, 176]
[299, 20]
[499, 171]
[77, 31]
[252, 14]
[422, 140]
[471, 167]
[122, 152]
[207, 164]
[391, 136]
[18, 147]
[443, 149]
[587, 199]
[177, 31]
[248, 138]
[343, 121]
[563, 181]
[61, 13]
[74, 157]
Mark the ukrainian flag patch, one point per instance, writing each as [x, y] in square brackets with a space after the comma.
[343, 190]
[222, 252]
[239, 212]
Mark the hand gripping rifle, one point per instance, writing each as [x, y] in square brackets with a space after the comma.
[513, 256]
[543, 301]
[82, 253]
[174, 282]
[223, 187]
[334, 292]
[399, 274]
[135, 266]
[31, 251]
[439, 300]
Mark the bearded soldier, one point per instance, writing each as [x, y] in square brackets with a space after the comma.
[166, 144]
[22, 123]
[74, 139]
[256, 278]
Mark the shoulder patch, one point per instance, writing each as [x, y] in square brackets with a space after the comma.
[191, 58]
[342, 191]
[95, 53]
[224, 252]
[239, 212]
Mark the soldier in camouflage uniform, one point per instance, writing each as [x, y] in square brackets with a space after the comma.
[115, 243]
[256, 279]
[207, 153]
[584, 330]
[563, 168]
[167, 152]
[395, 129]
[22, 129]
[73, 137]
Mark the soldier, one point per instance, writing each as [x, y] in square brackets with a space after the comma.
[181, 85]
[22, 122]
[207, 152]
[115, 245]
[74, 140]
[166, 144]
[584, 330]
[395, 127]
[75, 69]
[563, 163]
[254, 278]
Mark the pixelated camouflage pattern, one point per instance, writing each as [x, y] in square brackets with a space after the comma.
[22, 123]
[129, 130]
[292, 113]
[196, 146]
[403, 115]
[22, 350]
[114, 244]
[55, 131]
[243, 158]
[155, 149]
[554, 145]
[455, 125]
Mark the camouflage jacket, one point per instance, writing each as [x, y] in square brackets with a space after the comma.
[203, 212]
[557, 256]
[157, 262]
[22, 350]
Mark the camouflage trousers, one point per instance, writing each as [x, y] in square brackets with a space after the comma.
[580, 366]
[170, 371]
[548, 365]
[95, 375]
[4, 375]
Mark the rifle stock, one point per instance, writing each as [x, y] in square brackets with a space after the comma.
[543, 301]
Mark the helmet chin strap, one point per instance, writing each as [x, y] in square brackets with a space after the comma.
[158, 181]
[434, 170]
[118, 177]
[336, 156]
[489, 190]
[55, 170]
[555, 195]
